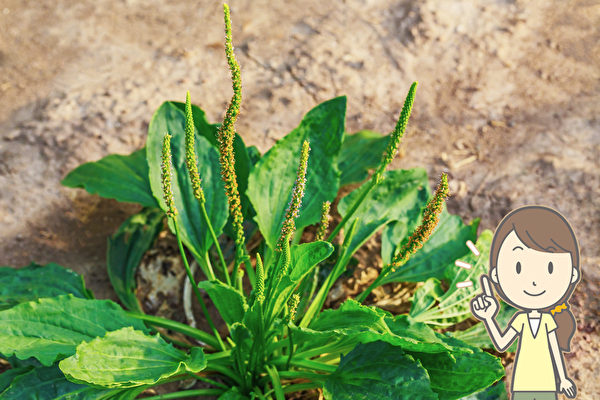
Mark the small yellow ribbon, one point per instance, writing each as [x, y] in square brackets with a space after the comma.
[558, 308]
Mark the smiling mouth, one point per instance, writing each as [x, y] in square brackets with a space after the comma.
[531, 294]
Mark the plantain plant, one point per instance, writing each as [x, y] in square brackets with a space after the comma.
[276, 338]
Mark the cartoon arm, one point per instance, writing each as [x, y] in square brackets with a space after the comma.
[485, 307]
[566, 385]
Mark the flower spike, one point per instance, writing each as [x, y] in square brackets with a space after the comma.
[225, 137]
[289, 224]
[398, 133]
[190, 151]
[430, 220]
[166, 176]
[260, 279]
[324, 224]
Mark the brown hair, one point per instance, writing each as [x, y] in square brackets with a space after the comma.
[544, 229]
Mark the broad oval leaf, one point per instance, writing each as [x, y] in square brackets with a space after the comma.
[304, 257]
[129, 358]
[120, 177]
[463, 371]
[378, 370]
[50, 329]
[49, 383]
[228, 300]
[478, 336]
[272, 179]
[446, 244]
[399, 197]
[354, 323]
[194, 232]
[126, 249]
[452, 306]
[18, 285]
[360, 152]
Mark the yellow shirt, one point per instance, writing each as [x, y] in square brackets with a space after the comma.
[534, 370]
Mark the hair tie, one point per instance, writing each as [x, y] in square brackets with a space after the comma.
[558, 308]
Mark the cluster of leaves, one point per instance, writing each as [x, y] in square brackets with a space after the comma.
[212, 189]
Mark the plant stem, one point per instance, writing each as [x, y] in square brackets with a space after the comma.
[337, 270]
[352, 209]
[195, 287]
[186, 393]
[216, 242]
[177, 327]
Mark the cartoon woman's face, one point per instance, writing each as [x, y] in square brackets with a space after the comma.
[532, 279]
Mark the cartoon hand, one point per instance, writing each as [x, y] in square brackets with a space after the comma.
[568, 388]
[484, 306]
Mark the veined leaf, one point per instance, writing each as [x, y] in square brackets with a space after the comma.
[399, 197]
[193, 229]
[120, 177]
[271, 180]
[360, 152]
[228, 300]
[126, 249]
[477, 334]
[8, 376]
[129, 358]
[453, 306]
[495, 392]
[50, 329]
[463, 371]
[446, 244]
[304, 257]
[354, 323]
[49, 383]
[378, 370]
[18, 285]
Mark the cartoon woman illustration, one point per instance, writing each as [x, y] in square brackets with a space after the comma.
[534, 265]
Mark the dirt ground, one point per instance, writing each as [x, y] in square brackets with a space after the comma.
[507, 104]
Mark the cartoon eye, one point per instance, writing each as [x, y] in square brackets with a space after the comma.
[518, 267]
[550, 267]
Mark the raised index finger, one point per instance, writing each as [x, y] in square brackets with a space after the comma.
[485, 284]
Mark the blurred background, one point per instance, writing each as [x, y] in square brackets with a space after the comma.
[508, 104]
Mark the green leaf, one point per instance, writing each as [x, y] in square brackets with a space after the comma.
[461, 372]
[453, 306]
[129, 358]
[378, 370]
[50, 329]
[354, 323]
[194, 231]
[49, 383]
[126, 249]
[18, 285]
[304, 257]
[228, 300]
[120, 177]
[446, 244]
[233, 394]
[477, 334]
[7, 377]
[271, 180]
[360, 152]
[399, 197]
[495, 392]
